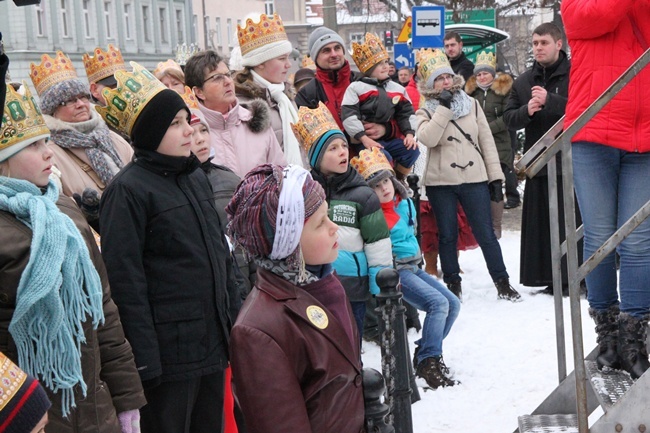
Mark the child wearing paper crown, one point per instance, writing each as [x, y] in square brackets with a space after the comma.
[58, 322]
[419, 288]
[364, 236]
[295, 333]
[168, 261]
[376, 98]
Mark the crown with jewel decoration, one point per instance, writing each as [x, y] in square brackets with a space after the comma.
[307, 62]
[190, 99]
[431, 62]
[133, 92]
[486, 59]
[161, 67]
[255, 35]
[370, 161]
[312, 124]
[51, 71]
[22, 121]
[103, 64]
[369, 53]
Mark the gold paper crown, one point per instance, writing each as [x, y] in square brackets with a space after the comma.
[103, 64]
[307, 62]
[312, 123]
[255, 35]
[125, 103]
[370, 161]
[429, 61]
[368, 54]
[486, 59]
[21, 119]
[51, 71]
[190, 99]
[161, 67]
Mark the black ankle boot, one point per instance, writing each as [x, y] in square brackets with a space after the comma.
[607, 336]
[506, 291]
[456, 288]
[632, 332]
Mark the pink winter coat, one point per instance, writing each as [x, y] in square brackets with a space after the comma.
[243, 139]
[603, 45]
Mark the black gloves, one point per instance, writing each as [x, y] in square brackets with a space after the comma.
[88, 202]
[445, 98]
[496, 191]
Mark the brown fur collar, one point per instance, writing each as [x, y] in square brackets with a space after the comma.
[245, 86]
[501, 85]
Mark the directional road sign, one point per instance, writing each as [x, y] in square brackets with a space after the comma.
[403, 56]
[428, 26]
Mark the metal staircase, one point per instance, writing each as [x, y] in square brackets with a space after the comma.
[623, 401]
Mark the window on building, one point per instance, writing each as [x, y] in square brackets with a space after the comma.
[217, 30]
[128, 22]
[108, 19]
[86, 5]
[146, 23]
[65, 24]
[357, 37]
[41, 29]
[269, 7]
[206, 35]
[355, 7]
[162, 17]
[195, 27]
[180, 28]
[229, 32]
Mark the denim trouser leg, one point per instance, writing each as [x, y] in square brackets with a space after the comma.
[359, 312]
[442, 308]
[611, 185]
[475, 200]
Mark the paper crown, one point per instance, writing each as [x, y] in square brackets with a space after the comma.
[190, 99]
[370, 161]
[486, 59]
[103, 64]
[312, 123]
[51, 71]
[307, 62]
[429, 61]
[125, 103]
[255, 35]
[161, 67]
[22, 120]
[368, 54]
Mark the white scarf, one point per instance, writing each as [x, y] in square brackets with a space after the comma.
[288, 115]
[290, 218]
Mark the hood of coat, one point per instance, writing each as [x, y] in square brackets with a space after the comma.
[260, 119]
[431, 93]
[501, 85]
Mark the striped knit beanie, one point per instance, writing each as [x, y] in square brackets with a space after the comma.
[253, 209]
[23, 401]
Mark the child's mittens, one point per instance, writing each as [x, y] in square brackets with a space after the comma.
[129, 421]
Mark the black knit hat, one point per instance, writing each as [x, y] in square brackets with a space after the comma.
[23, 401]
[151, 125]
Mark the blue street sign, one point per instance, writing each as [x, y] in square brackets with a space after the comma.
[428, 28]
[403, 56]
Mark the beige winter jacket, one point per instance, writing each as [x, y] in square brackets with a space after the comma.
[451, 158]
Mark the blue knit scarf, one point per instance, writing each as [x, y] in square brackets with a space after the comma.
[58, 289]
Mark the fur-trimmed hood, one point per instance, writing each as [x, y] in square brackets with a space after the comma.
[430, 93]
[260, 115]
[501, 85]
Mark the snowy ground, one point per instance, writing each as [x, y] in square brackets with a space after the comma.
[503, 353]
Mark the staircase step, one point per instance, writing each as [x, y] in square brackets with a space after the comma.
[548, 424]
[610, 385]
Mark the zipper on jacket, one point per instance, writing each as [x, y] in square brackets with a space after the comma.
[358, 266]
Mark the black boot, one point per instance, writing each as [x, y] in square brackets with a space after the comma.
[456, 288]
[431, 370]
[506, 291]
[607, 336]
[632, 332]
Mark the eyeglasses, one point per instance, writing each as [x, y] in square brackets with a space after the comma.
[74, 99]
[218, 78]
[442, 78]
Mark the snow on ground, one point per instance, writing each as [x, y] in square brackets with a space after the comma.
[503, 353]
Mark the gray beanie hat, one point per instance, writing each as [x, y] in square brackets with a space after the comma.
[377, 177]
[61, 92]
[321, 37]
[483, 67]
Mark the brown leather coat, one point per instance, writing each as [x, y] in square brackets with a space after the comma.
[290, 375]
[106, 358]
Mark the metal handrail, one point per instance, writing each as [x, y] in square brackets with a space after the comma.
[543, 154]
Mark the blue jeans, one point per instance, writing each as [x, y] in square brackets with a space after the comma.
[442, 307]
[359, 312]
[611, 185]
[475, 200]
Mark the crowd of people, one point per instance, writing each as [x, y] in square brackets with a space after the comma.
[175, 238]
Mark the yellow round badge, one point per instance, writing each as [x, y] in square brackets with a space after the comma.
[395, 100]
[317, 316]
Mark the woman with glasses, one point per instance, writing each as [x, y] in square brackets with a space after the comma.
[462, 167]
[86, 152]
